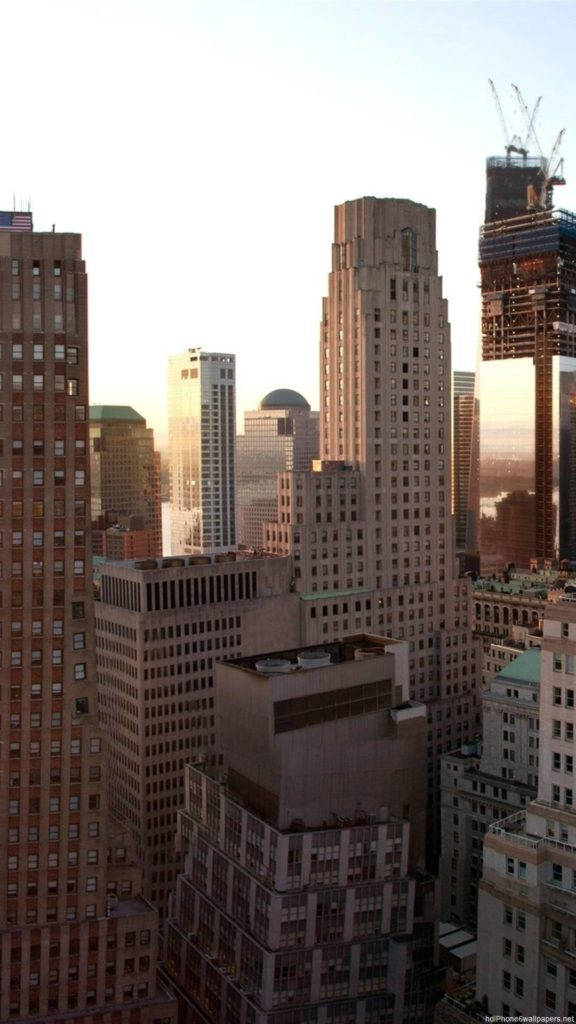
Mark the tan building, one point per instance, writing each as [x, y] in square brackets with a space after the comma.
[281, 434]
[125, 473]
[161, 626]
[304, 886]
[202, 440]
[386, 415]
[78, 941]
[527, 901]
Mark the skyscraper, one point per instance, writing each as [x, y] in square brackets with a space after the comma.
[371, 531]
[78, 942]
[202, 437]
[125, 474]
[465, 461]
[281, 434]
[527, 380]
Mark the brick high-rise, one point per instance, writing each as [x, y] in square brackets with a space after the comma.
[77, 941]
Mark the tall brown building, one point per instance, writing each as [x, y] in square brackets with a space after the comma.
[126, 486]
[370, 528]
[77, 942]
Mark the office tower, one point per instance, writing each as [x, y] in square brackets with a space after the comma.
[528, 383]
[303, 896]
[126, 489]
[160, 627]
[281, 434]
[386, 421]
[465, 467]
[202, 435]
[69, 904]
[527, 900]
[484, 782]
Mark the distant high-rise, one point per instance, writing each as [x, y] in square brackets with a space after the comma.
[125, 472]
[527, 376]
[202, 436]
[281, 434]
[464, 460]
[78, 942]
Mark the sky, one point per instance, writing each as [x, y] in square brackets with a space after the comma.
[200, 147]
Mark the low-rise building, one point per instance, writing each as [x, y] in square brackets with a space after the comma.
[486, 782]
[303, 893]
[527, 896]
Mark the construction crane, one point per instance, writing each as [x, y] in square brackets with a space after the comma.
[552, 170]
[514, 143]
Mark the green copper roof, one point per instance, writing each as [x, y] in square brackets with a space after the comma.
[524, 669]
[115, 412]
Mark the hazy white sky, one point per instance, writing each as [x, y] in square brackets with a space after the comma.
[200, 148]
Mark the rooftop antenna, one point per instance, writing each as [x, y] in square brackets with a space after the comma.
[513, 143]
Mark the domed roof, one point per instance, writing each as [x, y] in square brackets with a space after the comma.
[284, 398]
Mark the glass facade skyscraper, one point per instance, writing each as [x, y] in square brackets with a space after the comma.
[202, 435]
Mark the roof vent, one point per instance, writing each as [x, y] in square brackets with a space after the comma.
[313, 659]
[274, 666]
[361, 653]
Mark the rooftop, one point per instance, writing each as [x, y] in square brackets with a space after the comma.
[284, 398]
[523, 669]
[115, 413]
[352, 648]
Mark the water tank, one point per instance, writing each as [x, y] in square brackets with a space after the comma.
[313, 659]
[274, 666]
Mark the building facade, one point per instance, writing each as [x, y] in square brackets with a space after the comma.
[465, 497]
[78, 942]
[527, 906]
[161, 626]
[125, 474]
[377, 510]
[202, 437]
[282, 434]
[303, 896]
[528, 385]
[484, 782]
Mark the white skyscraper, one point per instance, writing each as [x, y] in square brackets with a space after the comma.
[202, 432]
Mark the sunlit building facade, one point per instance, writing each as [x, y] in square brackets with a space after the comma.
[202, 436]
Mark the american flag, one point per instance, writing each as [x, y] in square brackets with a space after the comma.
[15, 221]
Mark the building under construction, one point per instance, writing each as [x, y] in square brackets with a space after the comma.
[527, 373]
[528, 396]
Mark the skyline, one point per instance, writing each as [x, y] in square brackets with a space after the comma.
[223, 125]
